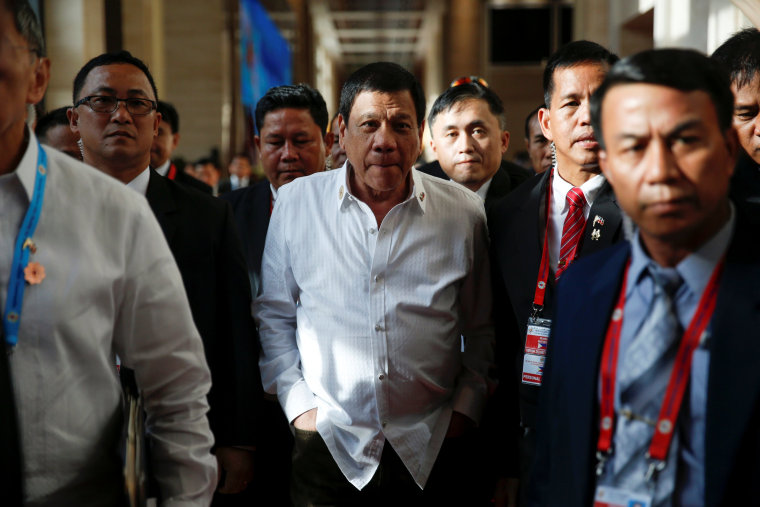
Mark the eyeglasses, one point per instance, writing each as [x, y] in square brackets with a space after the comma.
[468, 79]
[109, 104]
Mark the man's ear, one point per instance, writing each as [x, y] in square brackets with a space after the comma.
[175, 141]
[257, 142]
[73, 115]
[342, 130]
[603, 165]
[329, 139]
[504, 141]
[39, 82]
[422, 131]
[543, 120]
[156, 123]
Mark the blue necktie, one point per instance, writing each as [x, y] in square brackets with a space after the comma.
[643, 376]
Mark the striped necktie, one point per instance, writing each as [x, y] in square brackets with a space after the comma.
[644, 371]
[572, 231]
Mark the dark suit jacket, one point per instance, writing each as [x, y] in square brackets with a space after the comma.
[252, 209]
[203, 239]
[507, 178]
[517, 225]
[186, 179]
[11, 477]
[745, 185]
[568, 422]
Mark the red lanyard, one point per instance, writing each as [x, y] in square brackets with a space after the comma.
[543, 270]
[679, 377]
[172, 172]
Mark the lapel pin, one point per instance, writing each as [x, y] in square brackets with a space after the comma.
[422, 196]
[29, 243]
[598, 220]
[595, 234]
[34, 273]
[340, 193]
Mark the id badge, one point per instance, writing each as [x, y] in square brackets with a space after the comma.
[536, 341]
[606, 496]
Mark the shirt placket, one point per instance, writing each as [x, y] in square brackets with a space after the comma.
[377, 303]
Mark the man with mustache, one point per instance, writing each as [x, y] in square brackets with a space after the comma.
[114, 114]
[468, 135]
[371, 275]
[652, 393]
[538, 230]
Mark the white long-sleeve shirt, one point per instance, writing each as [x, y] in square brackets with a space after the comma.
[111, 287]
[365, 322]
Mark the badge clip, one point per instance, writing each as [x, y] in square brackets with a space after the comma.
[537, 309]
[601, 460]
[655, 467]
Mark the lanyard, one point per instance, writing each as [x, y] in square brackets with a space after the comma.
[24, 244]
[543, 270]
[679, 376]
[172, 171]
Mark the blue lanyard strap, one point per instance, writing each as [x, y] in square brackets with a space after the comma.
[24, 245]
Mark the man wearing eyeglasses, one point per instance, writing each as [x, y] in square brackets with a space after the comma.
[115, 115]
[85, 274]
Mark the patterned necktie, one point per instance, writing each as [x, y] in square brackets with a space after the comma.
[644, 371]
[572, 231]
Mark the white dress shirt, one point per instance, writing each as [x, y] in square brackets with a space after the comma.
[559, 209]
[163, 169]
[140, 182]
[364, 322]
[111, 287]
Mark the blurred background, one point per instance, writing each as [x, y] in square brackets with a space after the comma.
[213, 59]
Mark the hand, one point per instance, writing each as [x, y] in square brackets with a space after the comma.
[306, 421]
[238, 463]
[459, 425]
[505, 494]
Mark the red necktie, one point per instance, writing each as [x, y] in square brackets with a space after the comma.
[572, 231]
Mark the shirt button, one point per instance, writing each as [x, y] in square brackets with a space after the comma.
[384, 423]
[372, 230]
[381, 377]
[378, 278]
[378, 327]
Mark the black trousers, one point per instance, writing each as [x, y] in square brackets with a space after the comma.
[316, 479]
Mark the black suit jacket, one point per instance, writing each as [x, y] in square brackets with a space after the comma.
[204, 242]
[517, 225]
[507, 178]
[568, 421]
[252, 210]
[11, 477]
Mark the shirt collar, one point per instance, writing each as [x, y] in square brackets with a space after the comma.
[560, 188]
[343, 192]
[696, 269]
[163, 169]
[274, 192]
[140, 183]
[27, 168]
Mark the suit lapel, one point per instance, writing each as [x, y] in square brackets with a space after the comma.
[605, 231]
[162, 203]
[590, 328]
[258, 215]
[733, 382]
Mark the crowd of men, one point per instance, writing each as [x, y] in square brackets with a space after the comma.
[464, 333]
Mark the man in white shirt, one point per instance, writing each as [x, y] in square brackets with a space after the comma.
[371, 275]
[96, 279]
[115, 115]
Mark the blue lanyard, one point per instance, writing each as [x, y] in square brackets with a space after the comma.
[24, 245]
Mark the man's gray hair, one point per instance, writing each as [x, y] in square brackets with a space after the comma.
[27, 24]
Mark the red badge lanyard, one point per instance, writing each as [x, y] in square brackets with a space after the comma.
[679, 377]
[543, 270]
